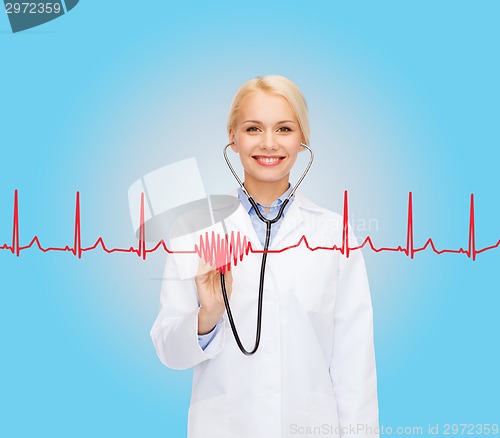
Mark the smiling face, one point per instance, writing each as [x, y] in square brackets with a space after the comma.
[267, 136]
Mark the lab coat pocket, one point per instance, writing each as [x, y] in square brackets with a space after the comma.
[209, 418]
[324, 413]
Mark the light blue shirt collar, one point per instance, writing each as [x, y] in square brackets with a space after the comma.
[248, 206]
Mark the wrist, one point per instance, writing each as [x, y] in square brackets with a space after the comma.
[207, 320]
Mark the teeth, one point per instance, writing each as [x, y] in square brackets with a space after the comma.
[268, 160]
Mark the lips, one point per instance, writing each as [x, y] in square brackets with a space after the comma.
[268, 160]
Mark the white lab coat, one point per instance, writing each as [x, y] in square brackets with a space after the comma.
[314, 373]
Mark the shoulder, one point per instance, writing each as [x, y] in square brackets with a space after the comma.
[314, 210]
[321, 224]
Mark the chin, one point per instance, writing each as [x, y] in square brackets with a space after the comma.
[260, 177]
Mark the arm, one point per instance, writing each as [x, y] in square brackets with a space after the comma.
[175, 331]
[352, 366]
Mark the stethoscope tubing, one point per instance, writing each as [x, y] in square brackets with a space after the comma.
[268, 223]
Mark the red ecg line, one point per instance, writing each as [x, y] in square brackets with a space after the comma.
[227, 250]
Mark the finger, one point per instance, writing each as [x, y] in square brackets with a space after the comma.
[204, 268]
[229, 273]
[228, 280]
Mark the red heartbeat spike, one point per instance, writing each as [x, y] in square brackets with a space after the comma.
[141, 250]
[226, 250]
[409, 233]
[15, 231]
[77, 247]
[345, 228]
[471, 250]
[221, 251]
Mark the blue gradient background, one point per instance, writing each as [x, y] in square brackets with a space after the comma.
[402, 95]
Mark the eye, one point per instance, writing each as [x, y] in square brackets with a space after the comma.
[252, 129]
[284, 129]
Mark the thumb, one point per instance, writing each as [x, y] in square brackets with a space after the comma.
[204, 267]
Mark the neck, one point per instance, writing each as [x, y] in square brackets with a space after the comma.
[265, 193]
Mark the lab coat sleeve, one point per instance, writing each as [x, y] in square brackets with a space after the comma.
[352, 366]
[175, 330]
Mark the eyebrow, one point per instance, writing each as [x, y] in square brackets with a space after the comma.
[278, 123]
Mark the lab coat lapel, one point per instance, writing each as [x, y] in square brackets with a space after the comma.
[241, 220]
[293, 218]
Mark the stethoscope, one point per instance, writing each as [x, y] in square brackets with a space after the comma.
[268, 223]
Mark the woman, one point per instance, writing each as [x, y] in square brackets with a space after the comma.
[314, 372]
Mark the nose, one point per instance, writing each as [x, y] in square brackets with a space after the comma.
[269, 141]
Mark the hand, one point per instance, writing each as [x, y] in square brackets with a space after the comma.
[210, 295]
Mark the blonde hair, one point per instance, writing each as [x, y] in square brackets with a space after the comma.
[277, 85]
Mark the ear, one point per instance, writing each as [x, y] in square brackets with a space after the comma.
[303, 140]
[232, 140]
